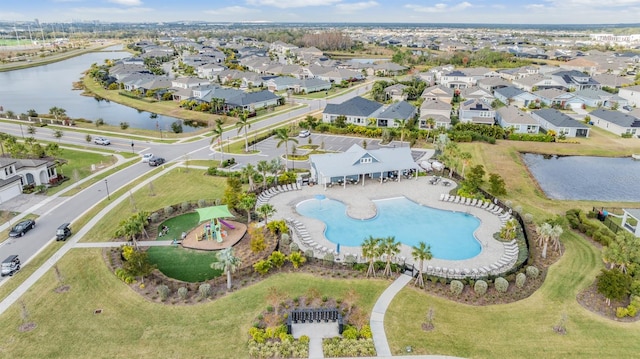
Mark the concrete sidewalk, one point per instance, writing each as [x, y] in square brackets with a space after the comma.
[377, 315]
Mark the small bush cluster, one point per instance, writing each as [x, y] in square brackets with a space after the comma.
[501, 285]
[202, 203]
[540, 137]
[279, 226]
[204, 290]
[293, 247]
[168, 210]
[163, 292]
[456, 287]
[182, 293]
[337, 347]
[480, 287]
[580, 221]
[532, 272]
[154, 217]
[124, 276]
[276, 343]
[631, 310]
[185, 206]
[521, 278]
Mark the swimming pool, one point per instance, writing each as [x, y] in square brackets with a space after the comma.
[450, 234]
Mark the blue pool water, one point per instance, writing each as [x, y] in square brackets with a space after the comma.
[450, 234]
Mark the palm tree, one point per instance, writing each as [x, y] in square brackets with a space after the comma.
[465, 157]
[622, 252]
[31, 130]
[389, 247]
[421, 253]
[247, 202]
[554, 237]
[371, 251]
[243, 123]
[263, 167]
[430, 124]
[217, 135]
[58, 134]
[402, 125]
[265, 211]
[57, 111]
[129, 229]
[249, 172]
[227, 262]
[282, 136]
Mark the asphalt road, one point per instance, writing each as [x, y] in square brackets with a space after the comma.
[55, 210]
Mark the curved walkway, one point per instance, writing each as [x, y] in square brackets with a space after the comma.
[377, 315]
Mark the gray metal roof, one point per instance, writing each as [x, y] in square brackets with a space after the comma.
[509, 91]
[616, 117]
[511, 114]
[348, 163]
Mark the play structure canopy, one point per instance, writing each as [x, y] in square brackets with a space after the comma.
[213, 212]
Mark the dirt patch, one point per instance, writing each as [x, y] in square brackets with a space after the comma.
[62, 289]
[27, 327]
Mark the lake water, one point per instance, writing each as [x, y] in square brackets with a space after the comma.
[586, 178]
[43, 87]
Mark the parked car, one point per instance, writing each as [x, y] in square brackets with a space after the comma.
[10, 265]
[22, 227]
[146, 157]
[101, 141]
[304, 133]
[63, 232]
[627, 107]
[156, 161]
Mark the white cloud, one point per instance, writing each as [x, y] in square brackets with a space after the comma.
[284, 4]
[92, 11]
[127, 2]
[232, 10]
[440, 7]
[594, 3]
[357, 6]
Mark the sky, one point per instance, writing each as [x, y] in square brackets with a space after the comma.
[368, 11]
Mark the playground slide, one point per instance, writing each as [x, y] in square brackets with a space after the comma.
[228, 225]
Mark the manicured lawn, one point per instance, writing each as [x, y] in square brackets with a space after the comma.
[184, 264]
[179, 224]
[175, 188]
[133, 327]
[517, 330]
[79, 166]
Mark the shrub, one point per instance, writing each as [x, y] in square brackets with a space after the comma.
[521, 278]
[621, 312]
[262, 266]
[168, 210]
[528, 218]
[456, 287]
[163, 292]
[532, 272]
[501, 285]
[202, 203]
[304, 339]
[204, 290]
[350, 259]
[480, 287]
[285, 239]
[155, 217]
[350, 333]
[365, 332]
[182, 293]
[293, 247]
[308, 253]
[329, 257]
[184, 206]
[124, 125]
[632, 310]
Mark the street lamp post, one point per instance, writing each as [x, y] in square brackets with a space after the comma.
[107, 185]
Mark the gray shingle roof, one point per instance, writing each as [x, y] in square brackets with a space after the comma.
[559, 119]
[399, 110]
[509, 91]
[357, 106]
[616, 117]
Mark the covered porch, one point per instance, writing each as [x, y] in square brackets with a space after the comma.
[630, 220]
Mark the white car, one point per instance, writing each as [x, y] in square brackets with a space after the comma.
[304, 133]
[101, 141]
[146, 157]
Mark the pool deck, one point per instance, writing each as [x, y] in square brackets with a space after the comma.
[358, 199]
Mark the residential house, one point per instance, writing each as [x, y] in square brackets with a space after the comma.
[457, 79]
[518, 72]
[394, 114]
[283, 83]
[209, 71]
[557, 98]
[518, 121]
[573, 80]
[554, 120]
[389, 69]
[476, 111]
[581, 65]
[357, 110]
[438, 92]
[514, 96]
[437, 110]
[491, 83]
[15, 174]
[631, 94]
[188, 82]
[281, 47]
[427, 77]
[395, 92]
[599, 98]
[612, 81]
[616, 122]
[475, 92]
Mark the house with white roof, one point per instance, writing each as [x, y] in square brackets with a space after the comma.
[15, 174]
[600, 98]
[631, 94]
[616, 122]
[438, 111]
[356, 165]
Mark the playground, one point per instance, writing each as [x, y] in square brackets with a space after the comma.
[214, 232]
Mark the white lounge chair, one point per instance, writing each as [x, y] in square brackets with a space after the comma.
[480, 204]
[473, 202]
[467, 201]
[451, 198]
[442, 196]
